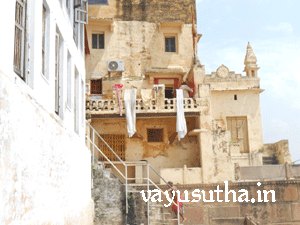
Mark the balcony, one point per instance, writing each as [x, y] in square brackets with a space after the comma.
[162, 105]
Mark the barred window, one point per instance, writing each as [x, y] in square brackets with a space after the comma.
[116, 142]
[19, 42]
[155, 135]
[96, 86]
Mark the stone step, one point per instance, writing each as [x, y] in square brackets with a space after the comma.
[292, 223]
[228, 221]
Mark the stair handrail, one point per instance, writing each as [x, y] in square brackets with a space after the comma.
[93, 143]
[126, 177]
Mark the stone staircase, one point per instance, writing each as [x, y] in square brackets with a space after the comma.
[232, 221]
[109, 198]
[159, 215]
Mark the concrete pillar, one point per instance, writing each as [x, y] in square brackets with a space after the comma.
[184, 174]
[160, 96]
[205, 136]
[199, 75]
[139, 174]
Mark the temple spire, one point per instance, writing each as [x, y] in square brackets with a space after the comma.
[250, 62]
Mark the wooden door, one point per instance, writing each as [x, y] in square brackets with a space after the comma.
[239, 132]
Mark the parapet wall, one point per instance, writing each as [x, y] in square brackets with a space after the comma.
[145, 10]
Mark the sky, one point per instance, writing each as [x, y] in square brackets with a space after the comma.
[272, 27]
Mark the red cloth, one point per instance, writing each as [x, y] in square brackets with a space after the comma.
[117, 87]
[174, 207]
[86, 43]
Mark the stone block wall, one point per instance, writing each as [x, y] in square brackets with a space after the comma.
[108, 198]
[145, 10]
[285, 210]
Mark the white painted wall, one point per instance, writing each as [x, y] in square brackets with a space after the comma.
[42, 89]
[45, 169]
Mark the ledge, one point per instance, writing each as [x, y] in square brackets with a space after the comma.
[143, 115]
[195, 132]
[248, 89]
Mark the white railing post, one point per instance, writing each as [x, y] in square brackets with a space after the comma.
[93, 157]
[178, 197]
[126, 190]
[148, 207]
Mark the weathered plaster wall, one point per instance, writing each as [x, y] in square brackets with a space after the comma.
[45, 173]
[247, 104]
[280, 149]
[141, 45]
[168, 154]
[145, 10]
[191, 175]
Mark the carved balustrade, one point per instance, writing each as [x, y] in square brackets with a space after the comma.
[111, 106]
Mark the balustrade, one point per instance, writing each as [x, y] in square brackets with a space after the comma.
[111, 106]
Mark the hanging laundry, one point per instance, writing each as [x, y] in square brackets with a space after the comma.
[129, 101]
[180, 122]
[146, 97]
[118, 87]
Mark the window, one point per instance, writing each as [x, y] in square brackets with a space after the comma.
[235, 97]
[58, 69]
[68, 7]
[80, 18]
[98, 41]
[83, 102]
[43, 40]
[69, 66]
[116, 142]
[81, 11]
[19, 42]
[96, 86]
[155, 135]
[76, 101]
[170, 44]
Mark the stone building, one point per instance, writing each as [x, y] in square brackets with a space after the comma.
[151, 46]
[45, 173]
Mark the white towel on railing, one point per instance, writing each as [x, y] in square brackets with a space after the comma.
[146, 97]
[129, 102]
[180, 123]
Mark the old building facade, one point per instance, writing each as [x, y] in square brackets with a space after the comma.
[151, 47]
[44, 163]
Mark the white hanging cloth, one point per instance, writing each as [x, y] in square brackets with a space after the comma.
[129, 101]
[180, 122]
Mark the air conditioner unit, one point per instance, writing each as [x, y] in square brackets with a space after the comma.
[115, 65]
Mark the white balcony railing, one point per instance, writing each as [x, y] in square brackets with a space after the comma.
[111, 106]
